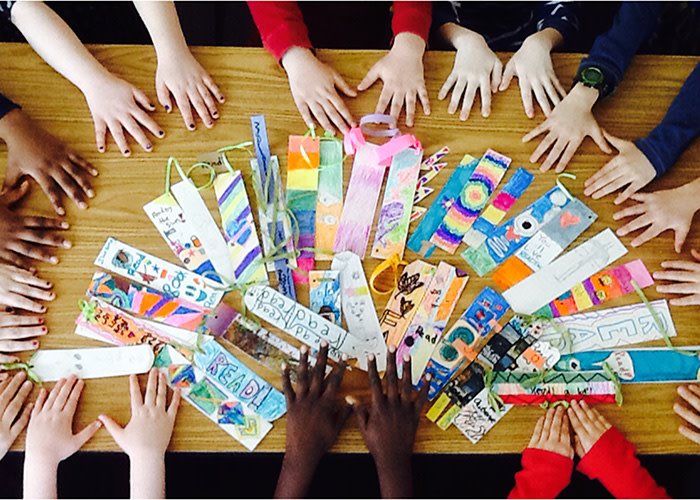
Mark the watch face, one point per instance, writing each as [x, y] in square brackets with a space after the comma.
[592, 76]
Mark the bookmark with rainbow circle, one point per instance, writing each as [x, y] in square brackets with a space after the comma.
[329, 206]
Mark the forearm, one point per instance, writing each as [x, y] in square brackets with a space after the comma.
[458, 36]
[549, 37]
[295, 477]
[395, 478]
[163, 26]
[56, 43]
[9, 123]
[147, 475]
[39, 477]
[582, 97]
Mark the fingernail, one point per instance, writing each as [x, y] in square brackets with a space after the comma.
[91, 193]
[370, 357]
[64, 225]
[428, 377]
[215, 114]
[284, 367]
[392, 349]
[209, 123]
[101, 149]
[60, 211]
[41, 321]
[223, 98]
[35, 343]
[303, 349]
[406, 358]
[344, 357]
[10, 310]
[127, 152]
[42, 309]
[54, 260]
[149, 147]
[43, 329]
[167, 108]
[191, 126]
[66, 243]
[324, 343]
[161, 133]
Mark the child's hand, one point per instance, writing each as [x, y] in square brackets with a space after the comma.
[687, 277]
[630, 168]
[401, 70]
[14, 414]
[151, 425]
[552, 433]
[16, 330]
[25, 237]
[313, 85]
[567, 126]
[476, 67]
[23, 289]
[690, 394]
[532, 64]
[180, 74]
[588, 424]
[669, 209]
[119, 106]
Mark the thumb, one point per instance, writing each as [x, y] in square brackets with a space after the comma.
[15, 193]
[369, 79]
[681, 234]
[508, 75]
[615, 141]
[695, 254]
[598, 138]
[342, 415]
[163, 95]
[343, 85]
[84, 436]
[361, 412]
[111, 426]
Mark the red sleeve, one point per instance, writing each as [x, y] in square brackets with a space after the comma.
[413, 17]
[612, 461]
[545, 474]
[281, 26]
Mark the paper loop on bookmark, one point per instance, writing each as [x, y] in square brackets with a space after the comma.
[353, 140]
[391, 148]
[565, 175]
[379, 119]
[391, 264]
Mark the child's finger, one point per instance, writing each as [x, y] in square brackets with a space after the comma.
[18, 345]
[318, 372]
[508, 75]
[145, 120]
[457, 95]
[384, 100]
[320, 115]
[303, 372]
[642, 220]
[424, 100]
[526, 97]
[100, 134]
[343, 85]
[536, 433]
[369, 79]
[111, 426]
[137, 133]
[468, 101]
[485, 92]
[551, 92]
[543, 146]
[375, 384]
[558, 85]
[11, 389]
[16, 260]
[19, 424]
[681, 235]
[334, 116]
[336, 377]
[449, 83]
[361, 413]
[149, 399]
[636, 209]
[209, 101]
[496, 75]
[115, 128]
[629, 191]
[183, 104]
[578, 446]
[539, 129]
[161, 393]
[689, 433]
[406, 374]
[339, 105]
[554, 154]
[69, 186]
[21, 332]
[548, 420]
[694, 388]
[653, 231]
[541, 99]
[575, 420]
[81, 176]
[423, 394]
[396, 105]
[174, 403]
[410, 108]
[214, 88]
[60, 393]
[287, 384]
[53, 192]
[74, 397]
[40, 400]
[584, 414]
[25, 277]
[201, 109]
[598, 138]
[163, 95]
[689, 396]
[15, 405]
[84, 436]
[565, 432]
[688, 415]
[32, 292]
[135, 397]
[391, 376]
[142, 99]
[555, 429]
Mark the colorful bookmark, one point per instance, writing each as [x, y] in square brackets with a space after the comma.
[434, 158]
[476, 193]
[478, 417]
[329, 206]
[324, 295]
[429, 175]
[416, 213]
[594, 387]
[422, 193]
[494, 213]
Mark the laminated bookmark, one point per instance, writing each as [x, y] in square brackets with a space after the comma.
[275, 225]
[232, 416]
[329, 206]
[434, 158]
[403, 304]
[422, 193]
[237, 379]
[599, 288]
[430, 319]
[299, 321]
[51, 365]
[129, 262]
[546, 244]
[429, 175]
[360, 313]
[528, 389]
[416, 213]
[324, 295]
[474, 196]
[419, 241]
[239, 229]
[566, 271]
[478, 417]
[360, 202]
[395, 214]
[494, 213]
[302, 189]
[474, 324]
[613, 327]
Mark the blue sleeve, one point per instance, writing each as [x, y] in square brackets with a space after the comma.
[443, 13]
[613, 50]
[562, 16]
[665, 144]
[6, 106]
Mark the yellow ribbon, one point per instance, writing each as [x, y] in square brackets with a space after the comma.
[393, 263]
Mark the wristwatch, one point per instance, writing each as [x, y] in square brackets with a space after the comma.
[593, 77]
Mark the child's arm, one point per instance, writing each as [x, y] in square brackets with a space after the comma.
[686, 278]
[690, 414]
[50, 437]
[548, 459]
[314, 420]
[178, 72]
[145, 438]
[608, 457]
[389, 424]
[14, 409]
[114, 103]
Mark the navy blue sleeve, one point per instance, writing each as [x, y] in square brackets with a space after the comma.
[443, 13]
[6, 106]
[665, 144]
[613, 50]
[562, 16]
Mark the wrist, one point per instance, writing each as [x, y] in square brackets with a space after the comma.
[294, 56]
[40, 461]
[408, 43]
[583, 96]
[137, 458]
[172, 49]
[548, 38]
[12, 123]
[98, 79]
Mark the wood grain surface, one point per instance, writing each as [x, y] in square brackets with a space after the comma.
[253, 83]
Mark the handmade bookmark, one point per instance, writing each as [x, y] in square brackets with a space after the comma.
[232, 416]
[395, 214]
[478, 417]
[434, 158]
[51, 365]
[129, 262]
[275, 226]
[403, 304]
[237, 379]
[324, 295]
[360, 313]
[417, 212]
[239, 229]
[462, 214]
[422, 193]
[429, 175]
[601, 287]
[302, 189]
[494, 213]
[419, 241]
[329, 205]
[534, 389]
[546, 244]
[563, 273]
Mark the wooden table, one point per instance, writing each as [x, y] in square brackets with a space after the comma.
[253, 83]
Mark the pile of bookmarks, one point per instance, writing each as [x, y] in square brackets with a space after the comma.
[533, 343]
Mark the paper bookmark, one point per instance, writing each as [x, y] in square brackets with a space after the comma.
[419, 241]
[546, 244]
[232, 416]
[474, 324]
[239, 380]
[494, 213]
[599, 288]
[417, 212]
[266, 180]
[434, 158]
[360, 202]
[324, 295]
[179, 234]
[462, 214]
[239, 229]
[478, 417]
[563, 273]
[527, 389]
[432, 172]
[51, 365]
[422, 193]
[329, 206]
[360, 313]
[395, 214]
[126, 261]
[405, 299]
[299, 321]
[302, 190]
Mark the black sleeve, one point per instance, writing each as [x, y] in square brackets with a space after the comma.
[6, 9]
[562, 16]
[443, 13]
[6, 106]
